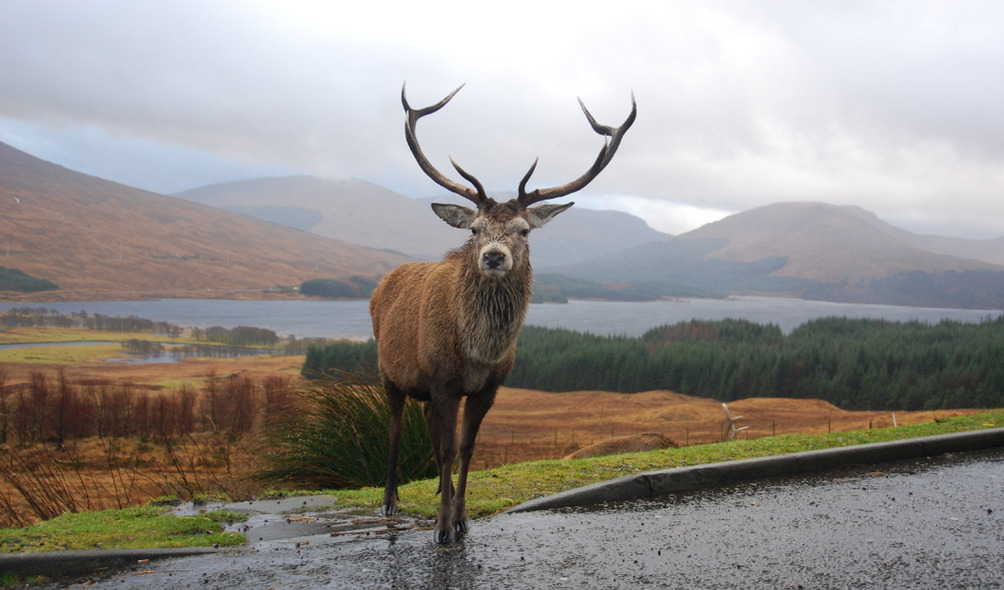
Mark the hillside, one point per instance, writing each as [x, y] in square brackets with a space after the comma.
[825, 243]
[817, 251]
[350, 210]
[96, 238]
[369, 215]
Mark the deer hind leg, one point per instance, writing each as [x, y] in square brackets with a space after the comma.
[396, 401]
[441, 417]
[474, 412]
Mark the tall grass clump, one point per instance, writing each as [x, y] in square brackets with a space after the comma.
[338, 437]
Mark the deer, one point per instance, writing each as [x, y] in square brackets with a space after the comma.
[446, 331]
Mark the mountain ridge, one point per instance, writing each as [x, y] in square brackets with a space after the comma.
[811, 250]
[825, 242]
[97, 238]
[367, 214]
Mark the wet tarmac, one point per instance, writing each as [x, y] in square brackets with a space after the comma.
[914, 524]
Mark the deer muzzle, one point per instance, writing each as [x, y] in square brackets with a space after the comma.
[495, 261]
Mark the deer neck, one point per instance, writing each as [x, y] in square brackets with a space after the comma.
[493, 313]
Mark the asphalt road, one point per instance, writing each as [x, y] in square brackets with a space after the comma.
[931, 523]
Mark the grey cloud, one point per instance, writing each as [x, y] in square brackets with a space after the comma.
[891, 106]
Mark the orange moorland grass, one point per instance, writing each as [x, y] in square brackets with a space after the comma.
[524, 425]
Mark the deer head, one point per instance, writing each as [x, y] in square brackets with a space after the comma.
[500, 230]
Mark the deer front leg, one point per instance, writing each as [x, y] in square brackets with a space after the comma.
[396, 400]
[432, 422]
[441, 418]
[474, 412]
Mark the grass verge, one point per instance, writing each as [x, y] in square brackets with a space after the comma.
[489, 491]
[128, 528]
[495, 490]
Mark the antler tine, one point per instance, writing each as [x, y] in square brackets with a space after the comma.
[477, 195]
[606, 154]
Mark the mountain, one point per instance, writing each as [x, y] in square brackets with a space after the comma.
[991, 250]
[811, 250]
[350, 210]
[364, 213]
[96, 238]
[825, 243]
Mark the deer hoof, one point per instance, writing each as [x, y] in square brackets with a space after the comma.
[444, 536]
[460, 525]
[389, 510]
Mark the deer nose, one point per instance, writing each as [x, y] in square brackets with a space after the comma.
[494, 259]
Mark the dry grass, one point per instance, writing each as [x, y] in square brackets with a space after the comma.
[41, 481]
[528, 425]
[524, 425]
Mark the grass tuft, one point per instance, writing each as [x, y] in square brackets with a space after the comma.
[341, 438]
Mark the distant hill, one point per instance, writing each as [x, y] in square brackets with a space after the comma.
[363, 213]
[826, 243]
[812, 250]
[350, 210]
[96, 238]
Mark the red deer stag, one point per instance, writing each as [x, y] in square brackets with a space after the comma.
[447, 330]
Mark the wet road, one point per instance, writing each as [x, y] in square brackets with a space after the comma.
[917, 524]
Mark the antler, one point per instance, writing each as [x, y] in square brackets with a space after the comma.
[606, 154]
[477, 195]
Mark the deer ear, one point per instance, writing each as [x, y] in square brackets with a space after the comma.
[541, 214]
[455, 215]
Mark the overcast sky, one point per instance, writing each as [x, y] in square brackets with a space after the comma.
[897, 107]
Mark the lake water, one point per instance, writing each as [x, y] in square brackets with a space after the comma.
[350, 319]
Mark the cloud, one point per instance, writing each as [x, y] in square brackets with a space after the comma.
[890, 106]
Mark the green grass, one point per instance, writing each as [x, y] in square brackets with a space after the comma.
[73, 354]
[494, 490]
[76, 353]
[69, 355]
[129, 528]
[23, 335]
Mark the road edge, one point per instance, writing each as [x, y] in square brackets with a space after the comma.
[697, 477]
[58, 564]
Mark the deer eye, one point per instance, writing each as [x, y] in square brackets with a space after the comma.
[474, 231]
[524, 232]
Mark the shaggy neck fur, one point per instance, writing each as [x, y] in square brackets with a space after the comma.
[492, 309]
